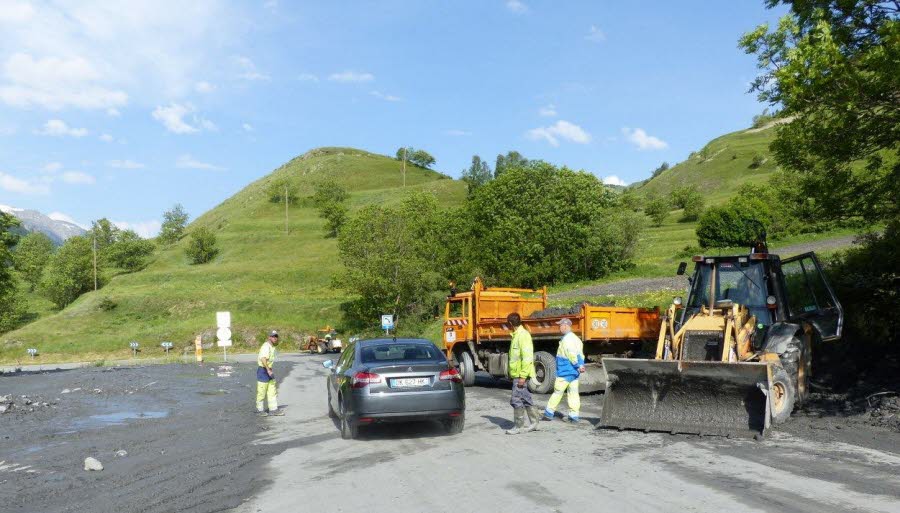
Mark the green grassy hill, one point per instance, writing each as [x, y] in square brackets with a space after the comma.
[720, 168]
[266, 278]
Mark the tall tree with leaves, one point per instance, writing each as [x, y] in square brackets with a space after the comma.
[330, 199]
[69, 272]
[834, 68]
[511, 160]
[476, 175]
[130, 251]
[105, 233]
[11, 305]
[31, 256]
[202, 246]
[174, 222]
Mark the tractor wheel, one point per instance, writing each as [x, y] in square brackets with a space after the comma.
[320, 348]
[783, 395]
[467, 368]
[797, 362]
[545, 373]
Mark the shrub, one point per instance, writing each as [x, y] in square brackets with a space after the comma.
[69, 272]
[281, 188]
[657, 208]
[107, 305]
[129, 251]
[30, 257]
[693, 208]
[757, 161]
[202, 246]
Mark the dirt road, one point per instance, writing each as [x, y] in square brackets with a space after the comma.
[679, 283]
[199, 448]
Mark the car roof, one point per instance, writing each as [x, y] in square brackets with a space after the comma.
[382, 341]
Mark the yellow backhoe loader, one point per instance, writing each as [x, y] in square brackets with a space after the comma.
[736, 357]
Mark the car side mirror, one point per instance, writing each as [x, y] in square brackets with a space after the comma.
[328, 364]
[681, 268]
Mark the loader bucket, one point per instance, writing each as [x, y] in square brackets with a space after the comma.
[697, 397]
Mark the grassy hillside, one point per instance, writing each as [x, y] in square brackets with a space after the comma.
[719, 168]
[266, 278]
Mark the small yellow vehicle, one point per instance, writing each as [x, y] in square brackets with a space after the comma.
[324, 341]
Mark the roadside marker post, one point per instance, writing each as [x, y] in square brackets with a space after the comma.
[33, 352]
[387, 323]
[223, 334]
[134, 349]
[166, 346]
[198, 348]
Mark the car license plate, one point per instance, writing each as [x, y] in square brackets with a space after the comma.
[409, 382]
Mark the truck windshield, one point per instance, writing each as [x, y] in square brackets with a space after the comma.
[744, 284]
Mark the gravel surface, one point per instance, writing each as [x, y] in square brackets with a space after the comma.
[184, 429]
[193, 443]
[679, 283]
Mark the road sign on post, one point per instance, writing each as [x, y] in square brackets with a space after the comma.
[134, 348]
[166, 346]
[223, 334]
[387, 323]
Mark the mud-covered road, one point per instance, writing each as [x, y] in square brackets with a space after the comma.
[198, 447]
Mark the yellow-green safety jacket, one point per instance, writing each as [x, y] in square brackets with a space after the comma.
[521, 354]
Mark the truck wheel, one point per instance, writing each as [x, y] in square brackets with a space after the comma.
[797, 362]
[467, 368]
[545, 373]
[782, 395]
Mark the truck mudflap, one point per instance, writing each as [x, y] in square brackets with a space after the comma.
[695, 397]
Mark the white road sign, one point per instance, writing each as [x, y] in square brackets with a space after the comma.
[387, 322]
[223, 319]
[223, 334]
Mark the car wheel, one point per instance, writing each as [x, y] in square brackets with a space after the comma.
[467, 368]
[545, 373]
[331, 413]
[455, 425]
[349, 426]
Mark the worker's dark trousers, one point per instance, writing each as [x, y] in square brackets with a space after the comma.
[521, 397]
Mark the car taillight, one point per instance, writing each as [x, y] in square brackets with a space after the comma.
[361, 379]
[451, 375]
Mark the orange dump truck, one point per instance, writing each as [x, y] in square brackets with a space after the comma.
[476, 334]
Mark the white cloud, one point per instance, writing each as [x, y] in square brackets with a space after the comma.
[55, 83]
[172, 117]
[106, 138]
[52, 167]
[93, 54]
[248, 69]
[247, 127]
[351, 76]
[204, 87]
[77, 177]
[58, 127]
[457, 133]
[548, 111]
[596, 35]
[59, 216]
[10, 183]
[560, 130]
[516, 6]
[15, 12]
[614, 180]
[642, 140]
[145, 229]
[385, 97]
[307, 77]
[125, 164]
[113, 112]
[187, 162]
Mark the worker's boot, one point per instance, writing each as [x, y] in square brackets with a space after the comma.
[519, 415]
[534, 417]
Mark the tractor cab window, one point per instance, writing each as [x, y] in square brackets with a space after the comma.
[742, 283]
[809, 296]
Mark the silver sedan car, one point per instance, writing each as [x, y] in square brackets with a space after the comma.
[394, 380]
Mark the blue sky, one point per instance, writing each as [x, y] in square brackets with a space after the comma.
[122, 109]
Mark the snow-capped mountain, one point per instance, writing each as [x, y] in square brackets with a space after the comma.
[34, 221]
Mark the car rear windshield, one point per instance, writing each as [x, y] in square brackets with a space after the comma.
[400, 352]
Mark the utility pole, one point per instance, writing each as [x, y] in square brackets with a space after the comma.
[286, 230]
[95, 262]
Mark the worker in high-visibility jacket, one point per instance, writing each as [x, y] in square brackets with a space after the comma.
[521, 369]
[265, 378]
[569, 367]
